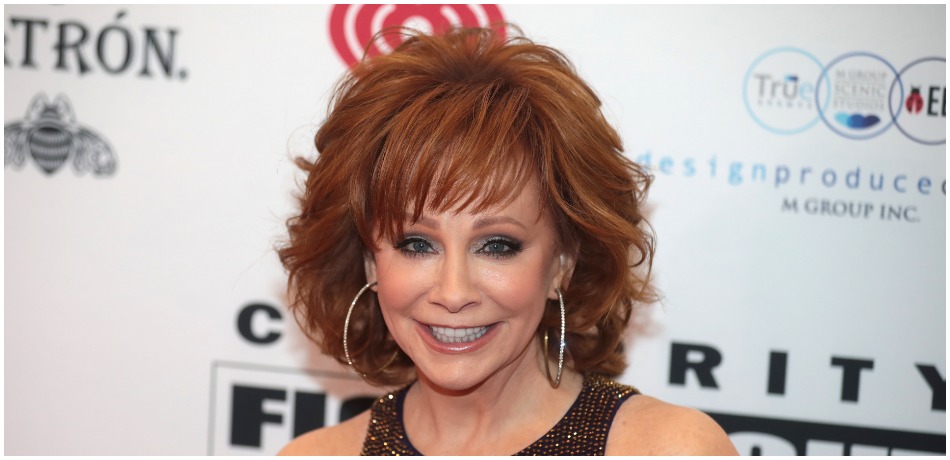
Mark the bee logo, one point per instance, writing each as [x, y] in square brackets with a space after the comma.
[49, 134]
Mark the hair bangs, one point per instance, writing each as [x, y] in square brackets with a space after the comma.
[451, 148]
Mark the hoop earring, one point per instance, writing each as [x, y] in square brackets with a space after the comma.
[561, 345]
[346, 327]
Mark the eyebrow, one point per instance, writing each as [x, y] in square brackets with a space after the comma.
[492, 220]
[424, 221]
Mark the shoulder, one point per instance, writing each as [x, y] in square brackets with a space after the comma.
[343, 439]
[647, 426]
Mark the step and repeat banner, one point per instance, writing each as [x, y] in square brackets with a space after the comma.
[799, 205]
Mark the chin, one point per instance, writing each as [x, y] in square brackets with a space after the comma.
[453, 377]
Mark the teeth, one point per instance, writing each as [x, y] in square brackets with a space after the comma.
[450, 335]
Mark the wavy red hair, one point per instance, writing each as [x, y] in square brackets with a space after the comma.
[464, 119]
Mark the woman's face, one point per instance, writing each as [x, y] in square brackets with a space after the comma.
[463, 294]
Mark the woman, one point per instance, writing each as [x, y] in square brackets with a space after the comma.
[474, 187]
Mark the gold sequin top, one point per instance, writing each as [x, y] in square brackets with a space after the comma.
[582, 431]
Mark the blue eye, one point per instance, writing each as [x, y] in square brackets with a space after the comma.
[414, 246]
[500, 247]
[496, 247]
[418, 246]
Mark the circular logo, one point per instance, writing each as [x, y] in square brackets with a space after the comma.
[859, 95]
[352, 27]
[779, 90]
[919, 109]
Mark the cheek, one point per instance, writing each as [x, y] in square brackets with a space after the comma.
[518, 286]
[400, 283]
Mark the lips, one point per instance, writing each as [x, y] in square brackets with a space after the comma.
[457, 335]
[454, 340]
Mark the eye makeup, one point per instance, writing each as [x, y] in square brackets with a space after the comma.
[497, 246]
[501, 247]
[414, 246]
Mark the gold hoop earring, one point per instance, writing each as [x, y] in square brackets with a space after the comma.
[561, 345]
[346, 328]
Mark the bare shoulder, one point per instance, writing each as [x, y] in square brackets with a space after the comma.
[343, 439]
[648, 426]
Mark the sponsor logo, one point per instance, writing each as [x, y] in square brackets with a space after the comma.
[885, 195]
[116, 49]
[352, 27]
[770, 436]
[696, 364]
[50, 135]
[779, 90]
[699, 362]
[925, 106]
[858, 95]
[914, 102]
[258, 409]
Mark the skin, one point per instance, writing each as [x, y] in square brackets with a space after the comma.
[496, 269]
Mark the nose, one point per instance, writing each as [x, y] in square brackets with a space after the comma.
[454, 287]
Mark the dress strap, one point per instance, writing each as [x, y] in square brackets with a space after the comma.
[585, 426]
[387, 434]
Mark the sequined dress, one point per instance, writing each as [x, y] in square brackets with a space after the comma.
[582, 431]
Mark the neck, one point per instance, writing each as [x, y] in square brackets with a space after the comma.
[512, 408]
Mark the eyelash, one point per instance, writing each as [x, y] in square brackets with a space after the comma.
[403, 246]
[513, 247]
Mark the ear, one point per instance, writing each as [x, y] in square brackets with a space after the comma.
[369, 265]
[562, 277]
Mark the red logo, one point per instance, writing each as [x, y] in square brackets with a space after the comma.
[353, 26]
[914, 102]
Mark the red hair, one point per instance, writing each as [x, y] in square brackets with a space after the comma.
[465, 119]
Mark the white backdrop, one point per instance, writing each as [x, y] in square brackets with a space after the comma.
[799, 204]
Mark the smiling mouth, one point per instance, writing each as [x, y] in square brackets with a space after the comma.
[460, 335]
